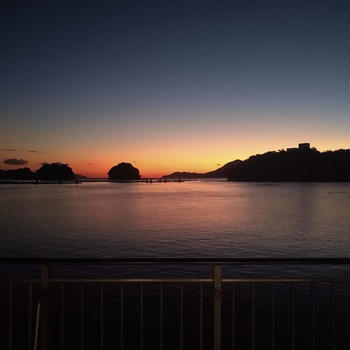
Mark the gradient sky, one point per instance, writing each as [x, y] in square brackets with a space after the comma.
[169, 85]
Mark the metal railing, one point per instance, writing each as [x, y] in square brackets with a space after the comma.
[40, 328]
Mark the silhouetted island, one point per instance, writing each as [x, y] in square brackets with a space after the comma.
[124, 171]
[55, 171]
[302, 164]
[17, 174]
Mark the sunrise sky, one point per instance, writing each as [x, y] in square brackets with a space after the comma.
[170, 85]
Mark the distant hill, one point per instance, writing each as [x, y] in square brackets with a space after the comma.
[220, 172]
[224, 170]
[308, 165]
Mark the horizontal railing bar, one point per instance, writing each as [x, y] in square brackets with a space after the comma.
[136, 280]
[19, 280]
[115, 280]
[175, 261]
[283, 280]
[179, 280]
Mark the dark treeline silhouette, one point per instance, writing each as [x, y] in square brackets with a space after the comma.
[294, 165]
[124, 171]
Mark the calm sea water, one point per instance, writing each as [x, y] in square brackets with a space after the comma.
[194, 218]
[190, 219]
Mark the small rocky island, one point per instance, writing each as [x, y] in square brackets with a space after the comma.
[124, 171]
[55, 171]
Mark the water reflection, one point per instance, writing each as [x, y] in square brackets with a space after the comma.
[175, 219]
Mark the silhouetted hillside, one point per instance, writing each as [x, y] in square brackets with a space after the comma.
[55, 171]
[296, 165]
[124, 171]
[220, 172]
[17, 174]
[224, 170]
[183, 175]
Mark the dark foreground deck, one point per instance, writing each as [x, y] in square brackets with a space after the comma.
[174, 304]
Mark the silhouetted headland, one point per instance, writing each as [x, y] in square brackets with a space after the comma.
[124, 171]
[294, 164]
[302, 164]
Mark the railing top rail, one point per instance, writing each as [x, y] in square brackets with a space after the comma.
[181, 280]
[174, 261]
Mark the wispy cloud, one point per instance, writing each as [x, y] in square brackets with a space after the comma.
[20, 150]
[14, 161]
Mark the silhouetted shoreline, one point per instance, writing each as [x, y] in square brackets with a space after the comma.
[302, 164]
[90, 180]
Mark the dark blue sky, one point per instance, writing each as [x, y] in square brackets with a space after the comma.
[241, 75]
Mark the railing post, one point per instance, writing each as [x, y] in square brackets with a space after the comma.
[44, 312]
[217, 306]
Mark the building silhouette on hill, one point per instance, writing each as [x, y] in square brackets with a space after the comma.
[301, 147]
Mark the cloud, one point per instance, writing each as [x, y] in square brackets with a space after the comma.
[20, 150]
[14, 161]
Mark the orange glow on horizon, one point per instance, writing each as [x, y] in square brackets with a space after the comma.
[162, 164]
[201, 152]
